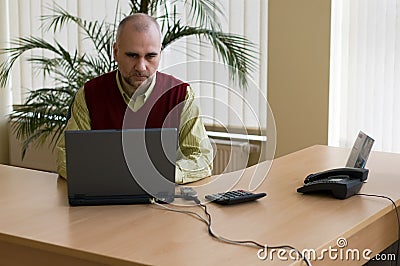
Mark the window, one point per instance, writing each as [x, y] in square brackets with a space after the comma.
[365, 72]
[223, 103]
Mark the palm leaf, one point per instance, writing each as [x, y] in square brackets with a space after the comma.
[134, 6]
[234, 50]
[19, 47]
[42, 115]
[205, 13]
[100, 33]
[145, 6]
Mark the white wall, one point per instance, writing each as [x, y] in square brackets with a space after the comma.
[41, 158]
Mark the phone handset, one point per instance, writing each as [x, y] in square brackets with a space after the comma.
[352, 173]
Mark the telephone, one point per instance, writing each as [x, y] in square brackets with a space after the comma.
[340, 182]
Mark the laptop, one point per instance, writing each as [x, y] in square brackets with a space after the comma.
[121, 166]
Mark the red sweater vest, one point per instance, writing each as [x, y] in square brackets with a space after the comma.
[108, 110]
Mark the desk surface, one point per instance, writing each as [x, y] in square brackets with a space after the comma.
[35, 214]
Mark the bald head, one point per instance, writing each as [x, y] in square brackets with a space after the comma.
[137, 50]
[139, 22]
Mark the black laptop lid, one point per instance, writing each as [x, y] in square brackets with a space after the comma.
[120, 166]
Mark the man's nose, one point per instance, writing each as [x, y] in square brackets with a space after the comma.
[140, 65]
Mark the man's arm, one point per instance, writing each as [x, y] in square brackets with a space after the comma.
[79, 120]
[195, 155]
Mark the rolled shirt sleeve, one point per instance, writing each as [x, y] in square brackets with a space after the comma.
[195, 154]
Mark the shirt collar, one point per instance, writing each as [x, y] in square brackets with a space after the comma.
[142, 90]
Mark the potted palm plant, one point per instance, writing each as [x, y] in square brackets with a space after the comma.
[44, 113]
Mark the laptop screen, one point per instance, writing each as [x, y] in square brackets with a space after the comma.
[120, 166]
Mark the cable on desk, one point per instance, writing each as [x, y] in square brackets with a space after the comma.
[397, 215]
[223, 239]
[196, 215]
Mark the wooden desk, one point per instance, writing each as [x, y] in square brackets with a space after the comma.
[37, 226]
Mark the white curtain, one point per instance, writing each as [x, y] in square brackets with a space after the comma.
[25, 20]
[5, 93]
[222, 101]
[246, 18]
[365, 73]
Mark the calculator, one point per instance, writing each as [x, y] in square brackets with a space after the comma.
[234, 197]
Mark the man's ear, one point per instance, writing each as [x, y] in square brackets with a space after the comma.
[115, 51]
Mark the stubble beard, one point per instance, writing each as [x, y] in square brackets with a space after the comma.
[135, 84]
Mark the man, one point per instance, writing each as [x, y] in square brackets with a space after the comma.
[136, 95]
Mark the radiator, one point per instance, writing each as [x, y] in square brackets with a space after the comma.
[229, 155]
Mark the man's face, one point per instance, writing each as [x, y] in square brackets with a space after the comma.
[137, 54]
